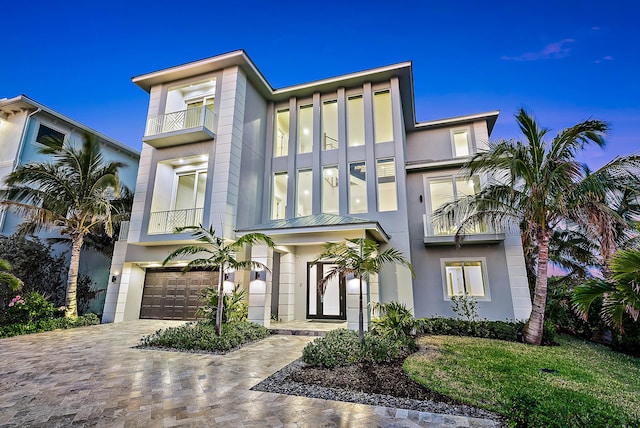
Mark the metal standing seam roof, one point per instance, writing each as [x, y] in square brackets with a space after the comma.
[318, 220]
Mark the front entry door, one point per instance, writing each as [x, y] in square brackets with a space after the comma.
[331, 305]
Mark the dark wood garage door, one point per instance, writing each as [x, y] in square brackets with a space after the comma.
[169, 294]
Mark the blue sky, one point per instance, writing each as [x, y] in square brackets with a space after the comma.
[562, 62]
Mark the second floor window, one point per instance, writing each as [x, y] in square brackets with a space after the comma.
[461, 143]
[355, 121]
[330, 125]
[447, 189]
[305, 129]
[304, 203]
[382, 117]
[387, 189]
[357, 188]
[281, 143]
[279, 203]
[330, 190]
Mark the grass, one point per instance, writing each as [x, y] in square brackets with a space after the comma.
[591, 386]
[200, 336]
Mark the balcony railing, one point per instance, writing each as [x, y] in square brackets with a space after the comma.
[168, 221]
[196, 117]
[481, 233]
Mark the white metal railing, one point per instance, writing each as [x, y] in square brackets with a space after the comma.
[124, 231]
[168, 221]
[179, 120]
[431, 230]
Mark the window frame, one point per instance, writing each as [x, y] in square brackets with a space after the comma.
[275, 132]
[65, 135]
[311, 191]
[273, 194]
[366, 193]
[455, 131]
[323, 145]
[376, 139]
[354, 96]
[176, 180]
[322, 188]
[427, 187]
[485, 277]
[299, 128]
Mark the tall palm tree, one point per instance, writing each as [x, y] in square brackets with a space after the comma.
[537, 187]
[620, 292]
[73, 194]
[217, 253]
[361, 258]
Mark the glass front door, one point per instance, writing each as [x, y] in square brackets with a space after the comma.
[331, 304]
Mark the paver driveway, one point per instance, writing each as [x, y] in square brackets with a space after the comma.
[93, 377]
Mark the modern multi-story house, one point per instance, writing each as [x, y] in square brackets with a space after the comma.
[323, 161]
[24, 122]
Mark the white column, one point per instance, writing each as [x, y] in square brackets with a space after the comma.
[286, 300]
[113, 288]
[353, 304]
[260, 289]
[517, 277]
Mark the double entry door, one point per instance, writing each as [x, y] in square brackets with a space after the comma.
[332, 304]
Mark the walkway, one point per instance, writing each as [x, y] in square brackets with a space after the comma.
[92, 377]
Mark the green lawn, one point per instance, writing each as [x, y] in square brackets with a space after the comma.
[592, 386]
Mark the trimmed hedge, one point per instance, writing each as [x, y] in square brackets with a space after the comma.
[201, 336]
[501, 330]
[48, 324]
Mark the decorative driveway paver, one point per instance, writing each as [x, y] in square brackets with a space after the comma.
[93, 377]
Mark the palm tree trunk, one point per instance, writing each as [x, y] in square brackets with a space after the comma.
[220, 302]
[361, 316]
[72, 278]
[532, 332]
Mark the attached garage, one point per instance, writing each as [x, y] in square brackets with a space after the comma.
[169, 294]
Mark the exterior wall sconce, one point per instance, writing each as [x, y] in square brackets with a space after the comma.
[258, 275]
[114, 278]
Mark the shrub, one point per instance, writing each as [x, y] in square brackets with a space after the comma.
[338, 348]
[502, 330]
[47, 324]
[201, 336]
[395, 321]
[341, 348]
[27, 308]
[235, 307]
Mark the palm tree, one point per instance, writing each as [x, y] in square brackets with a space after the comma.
[72, 194]
[358, 257]
[538, 188]
[620, 292]
[218, 254]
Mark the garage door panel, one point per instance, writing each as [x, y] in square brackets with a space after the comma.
[170, 294]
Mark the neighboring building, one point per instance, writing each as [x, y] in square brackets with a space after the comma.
[323, 161]
[23, 122]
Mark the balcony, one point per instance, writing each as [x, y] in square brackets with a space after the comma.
[168, 221]
[181, 127]
[481, 234]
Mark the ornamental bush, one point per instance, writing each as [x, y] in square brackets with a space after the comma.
[47, 324]
[341, 348]
[502, 330]
[201, 336]
[28, 308]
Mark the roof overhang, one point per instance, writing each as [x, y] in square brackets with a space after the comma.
[20, 103]
[490, 117]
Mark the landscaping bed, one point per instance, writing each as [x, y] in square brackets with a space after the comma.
[47, 324]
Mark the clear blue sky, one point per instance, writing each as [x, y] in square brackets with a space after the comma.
[564, 61]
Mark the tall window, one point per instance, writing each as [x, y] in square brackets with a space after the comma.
[382, 117]
[305, 129]
[443, 190]
[357, 188]
[279, 204]
[387, 189]
[355, 121]
[330, 125]
[304, 205]
[190, 190]
[461, 143]
[330, 193]
[281, 145]
[464, 278]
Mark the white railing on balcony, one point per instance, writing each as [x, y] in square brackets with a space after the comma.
[179, 120]
[124, 231]
[431, 230]
[168, 221]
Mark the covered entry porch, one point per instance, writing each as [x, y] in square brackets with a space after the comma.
[289, 290]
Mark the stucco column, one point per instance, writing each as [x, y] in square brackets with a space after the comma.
[286, 300]
[353, 304]
[260, 287]
[113, 288]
